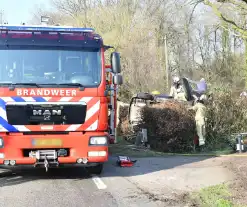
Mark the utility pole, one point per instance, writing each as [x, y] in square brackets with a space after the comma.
[1, 17]
[167, 65]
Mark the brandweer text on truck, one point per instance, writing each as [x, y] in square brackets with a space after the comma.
[53, 96]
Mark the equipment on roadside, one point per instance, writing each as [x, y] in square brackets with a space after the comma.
[124, 161]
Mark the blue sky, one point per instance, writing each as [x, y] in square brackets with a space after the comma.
[17, 11]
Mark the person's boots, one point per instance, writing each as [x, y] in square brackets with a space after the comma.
[202, 148]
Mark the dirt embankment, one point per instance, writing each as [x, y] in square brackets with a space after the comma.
[238, 186]
[236, 191]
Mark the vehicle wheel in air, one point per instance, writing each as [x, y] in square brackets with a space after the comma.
[187, 89]
[97, 170]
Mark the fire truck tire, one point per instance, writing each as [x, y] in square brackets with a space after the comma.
[97, 170]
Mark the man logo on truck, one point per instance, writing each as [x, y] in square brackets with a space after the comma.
[47, 113]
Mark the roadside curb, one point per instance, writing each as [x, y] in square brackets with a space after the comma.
[212, 155]
[177, 154]
[234, 155]
[151, 153]
[190, 155]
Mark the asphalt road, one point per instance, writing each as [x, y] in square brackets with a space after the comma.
[152, 182]
[69, 187]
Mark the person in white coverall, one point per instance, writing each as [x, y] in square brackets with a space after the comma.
[177, 90]
[200, 119]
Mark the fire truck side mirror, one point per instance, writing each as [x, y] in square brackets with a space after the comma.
[118, 79]
[115, 62]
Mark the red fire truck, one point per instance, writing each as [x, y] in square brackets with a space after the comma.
[53, 96]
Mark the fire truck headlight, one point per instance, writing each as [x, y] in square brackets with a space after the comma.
[1, 142]
[98, 140]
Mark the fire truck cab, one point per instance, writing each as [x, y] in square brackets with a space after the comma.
[53, 96]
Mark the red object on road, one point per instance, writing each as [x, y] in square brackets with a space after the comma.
[124, 161]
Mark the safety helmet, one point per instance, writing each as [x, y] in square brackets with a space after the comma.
[176, 79]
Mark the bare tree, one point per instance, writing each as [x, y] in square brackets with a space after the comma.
[137, 29]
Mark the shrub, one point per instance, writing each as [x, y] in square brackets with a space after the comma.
[226, 115]
[123, 125]
[171, 127]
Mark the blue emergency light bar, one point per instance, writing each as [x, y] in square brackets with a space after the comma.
[45, 29]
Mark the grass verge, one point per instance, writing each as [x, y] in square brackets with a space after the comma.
[213, 196]
[127, 149]
[122, 147]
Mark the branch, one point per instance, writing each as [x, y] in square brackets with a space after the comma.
[240, 30]
[238, 4]
[193, 10]
[227, 1]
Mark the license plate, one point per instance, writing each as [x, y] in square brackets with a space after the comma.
[47, 142]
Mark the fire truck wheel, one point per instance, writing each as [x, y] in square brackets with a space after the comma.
[97, 170]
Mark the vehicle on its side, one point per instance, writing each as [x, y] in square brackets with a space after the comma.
[142, 99]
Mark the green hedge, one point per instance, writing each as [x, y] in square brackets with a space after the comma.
[171, 127]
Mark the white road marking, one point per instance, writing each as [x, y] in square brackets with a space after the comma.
[99, 183]
[14, 178]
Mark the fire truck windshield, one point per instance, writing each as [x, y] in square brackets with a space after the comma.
[50, 66]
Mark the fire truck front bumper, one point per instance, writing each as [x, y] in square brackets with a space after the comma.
[88, 149]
